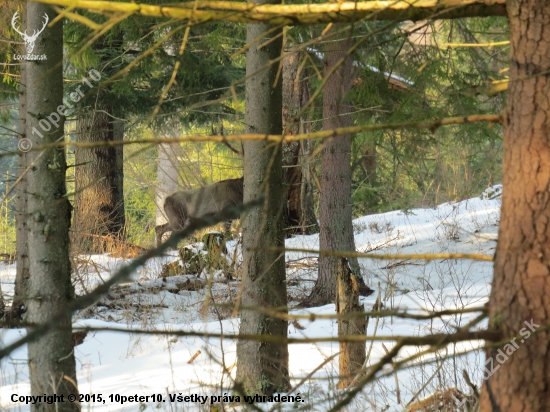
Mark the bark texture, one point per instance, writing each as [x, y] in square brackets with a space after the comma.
[521, 282]
[99, 196]
[308, 220]
[336, 231]
[51, 358]
[352, 354]
[21, 216]
[299, 210]
[262, 368]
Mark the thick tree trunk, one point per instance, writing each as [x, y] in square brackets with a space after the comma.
[336, 232]
[308, 221]
[51, 358]
[299, 211]
[21, 216]
[291, 150]
[519, 297]
[262, 367]
[293, 180]
[352, 354]
[99, 198]
[167, 179]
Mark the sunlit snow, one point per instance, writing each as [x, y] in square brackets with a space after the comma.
[111, 363]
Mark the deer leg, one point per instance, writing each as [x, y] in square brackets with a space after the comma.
[227, 226]
[161, 230]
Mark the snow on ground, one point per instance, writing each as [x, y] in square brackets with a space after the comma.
[110, 363]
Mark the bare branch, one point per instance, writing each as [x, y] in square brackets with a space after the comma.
[424, 256]
[432, 125]
[435, 339]
[299, 14]
[376, 314]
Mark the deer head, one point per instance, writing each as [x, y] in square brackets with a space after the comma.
[29, 40]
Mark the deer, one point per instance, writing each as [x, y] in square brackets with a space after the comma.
[29, 40]
[182, 207]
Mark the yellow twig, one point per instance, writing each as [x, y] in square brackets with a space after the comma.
[293, 14]
[423, 256]
[432, 125]
[494, 44]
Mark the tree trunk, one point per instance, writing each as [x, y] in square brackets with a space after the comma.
[51, 358]
[369, 163]
[21, 216]
[519, 297]
[352, 354]
[262, 367]
[167, 179]
[292, 187]
[299, 211]
[308, 221]
[336, 232]
[291, 150]
[99, 198]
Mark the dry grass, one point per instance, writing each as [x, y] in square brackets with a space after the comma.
[448, 400]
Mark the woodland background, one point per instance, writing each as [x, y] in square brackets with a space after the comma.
[412, 104]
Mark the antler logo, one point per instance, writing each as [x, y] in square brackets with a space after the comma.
[29, 40]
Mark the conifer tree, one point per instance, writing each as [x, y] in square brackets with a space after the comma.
[521, 274]
[49, 291]
[264, 277]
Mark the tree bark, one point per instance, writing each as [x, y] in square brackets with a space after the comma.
[308, 220]
[99, 196]
[167, 179]
[291, 150]
[262, 367]
[299, 211]
[336, 231]
[21, 216]
[51, 358]
[352, 354]
[519, 295]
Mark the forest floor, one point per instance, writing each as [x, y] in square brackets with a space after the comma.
[110, 363]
